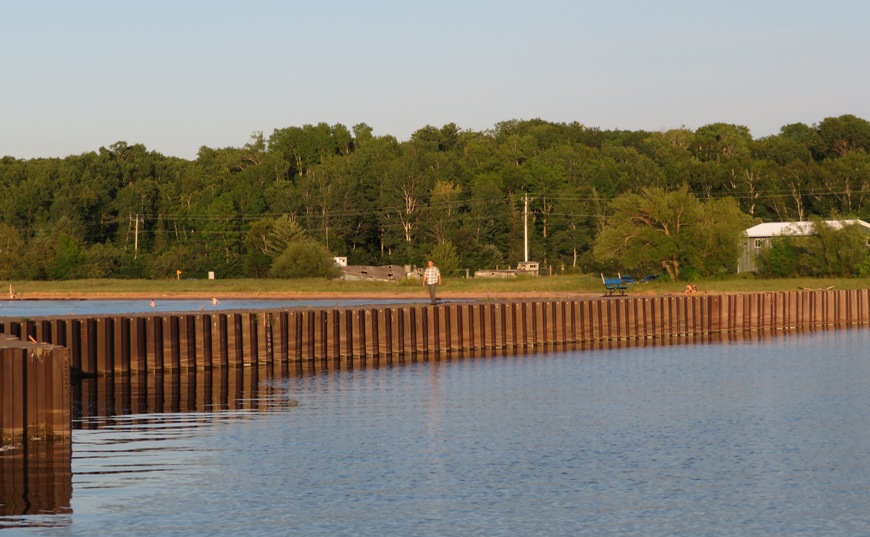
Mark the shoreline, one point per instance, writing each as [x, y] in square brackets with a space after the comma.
[246, 295]
[281, 296]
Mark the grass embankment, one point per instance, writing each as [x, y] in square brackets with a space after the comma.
[453, 287]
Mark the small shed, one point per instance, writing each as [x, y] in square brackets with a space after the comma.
[530, 267]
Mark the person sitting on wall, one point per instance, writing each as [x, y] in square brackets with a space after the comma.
[691, 289]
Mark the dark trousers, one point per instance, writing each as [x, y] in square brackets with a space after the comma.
[432, 287]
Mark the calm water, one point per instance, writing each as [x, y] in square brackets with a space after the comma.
[753, 438]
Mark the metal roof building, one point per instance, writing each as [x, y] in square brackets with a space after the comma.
[758, 237]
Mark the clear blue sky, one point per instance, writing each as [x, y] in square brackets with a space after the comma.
[175, 75]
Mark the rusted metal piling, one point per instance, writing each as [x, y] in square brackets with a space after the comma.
[34, 393]
[131, 344]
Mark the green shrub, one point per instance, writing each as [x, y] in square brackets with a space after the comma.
[305, 258]
[863, 267]
[446, 259]
[69, 260]
[780, 260]
[690, 274]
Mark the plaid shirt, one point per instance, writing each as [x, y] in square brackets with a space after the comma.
[431, 275]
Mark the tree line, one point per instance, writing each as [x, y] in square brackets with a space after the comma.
[670, 202]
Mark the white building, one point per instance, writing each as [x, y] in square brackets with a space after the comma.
[758, 237]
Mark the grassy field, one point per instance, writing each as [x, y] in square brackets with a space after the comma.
[556, 285]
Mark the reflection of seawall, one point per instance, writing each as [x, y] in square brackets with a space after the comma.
[191, 391]
[36, 476]
[121, 344]
[35, 479]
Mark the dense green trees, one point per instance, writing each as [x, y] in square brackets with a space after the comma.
[670, 201]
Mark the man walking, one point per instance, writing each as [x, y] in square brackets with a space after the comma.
[432, 278]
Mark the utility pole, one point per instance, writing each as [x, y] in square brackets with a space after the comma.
[526, 228]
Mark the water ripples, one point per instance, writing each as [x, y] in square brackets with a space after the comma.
[759, 438]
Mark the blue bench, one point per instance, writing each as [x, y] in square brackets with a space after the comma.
[614, 285]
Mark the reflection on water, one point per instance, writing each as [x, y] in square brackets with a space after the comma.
[759, 437]
[232, 388]
[35, 485]
[132, 429]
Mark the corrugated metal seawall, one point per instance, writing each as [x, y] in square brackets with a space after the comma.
[104, 345]
[34, 393]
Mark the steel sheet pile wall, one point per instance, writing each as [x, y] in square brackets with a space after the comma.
[132, 344]
[34, 393]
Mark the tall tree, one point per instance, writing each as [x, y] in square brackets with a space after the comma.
[840, 135]
[668, 230]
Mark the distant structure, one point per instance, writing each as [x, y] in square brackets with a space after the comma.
[524, 267]
[758, 237]
[391, 273]
[387, 273]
